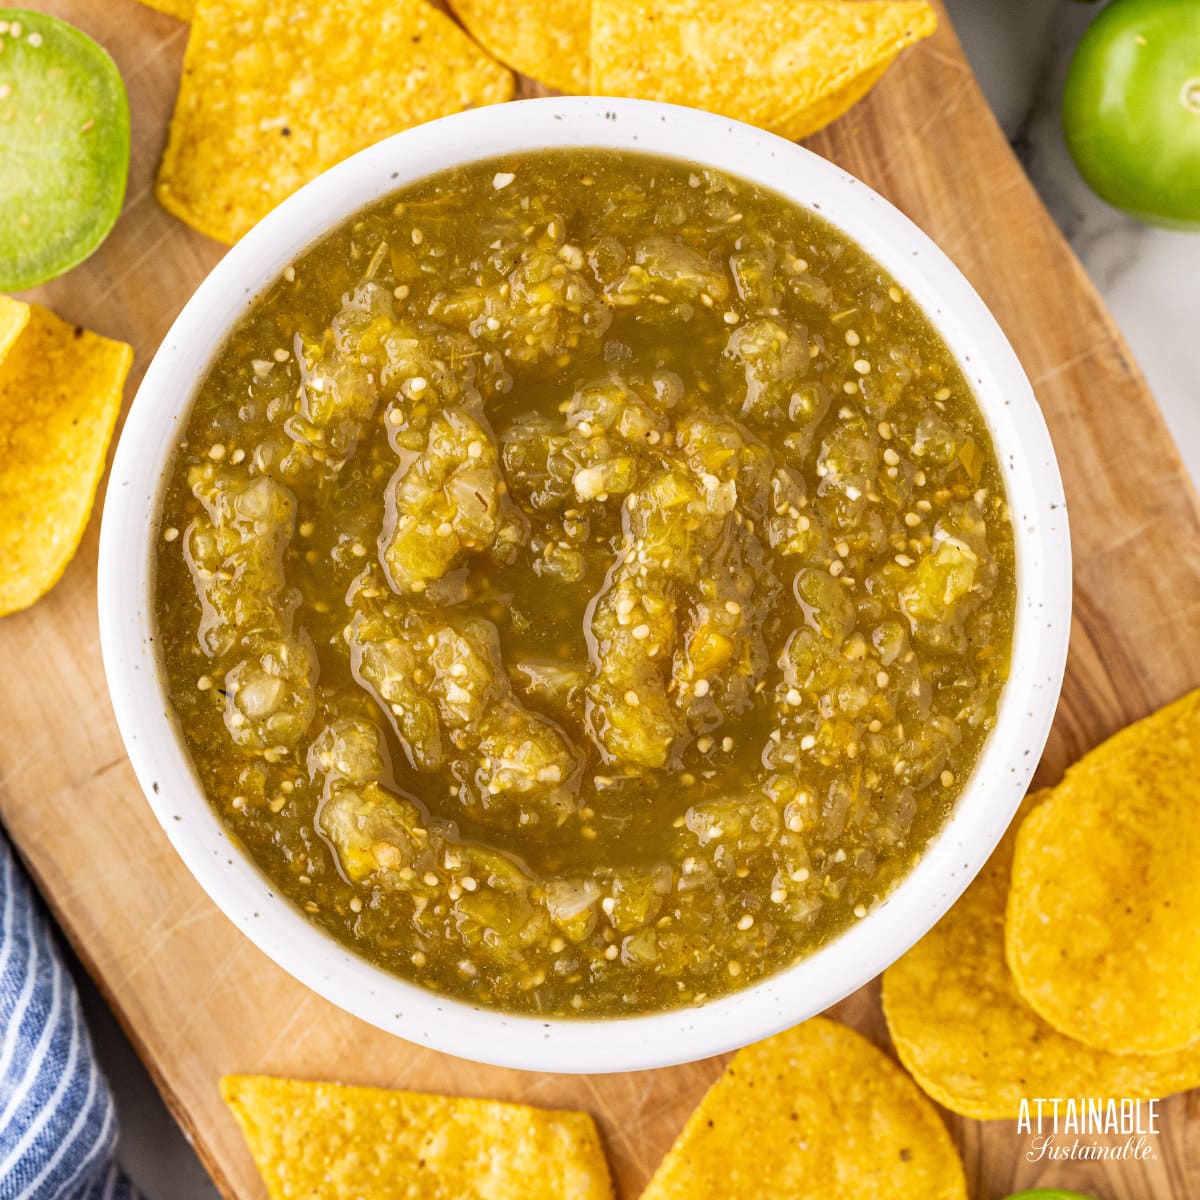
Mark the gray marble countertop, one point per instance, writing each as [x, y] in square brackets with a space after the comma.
[1020, 50]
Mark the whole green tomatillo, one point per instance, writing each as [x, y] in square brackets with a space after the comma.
[1131, 109]
[1049, 1194]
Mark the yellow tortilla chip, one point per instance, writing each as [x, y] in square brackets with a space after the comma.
[816, 1113]
[276, 91]
[961, 1028]
[14, 316]
[790, 67]
[323, 1140]
[175, 8]
[551, 47]
[60, 393]
[1103, 924]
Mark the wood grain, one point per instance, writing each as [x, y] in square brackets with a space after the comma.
[199, 1000]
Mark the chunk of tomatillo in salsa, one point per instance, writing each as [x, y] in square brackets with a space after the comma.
[235, 548]
[447, 503]
[453, 705]
[586, 583]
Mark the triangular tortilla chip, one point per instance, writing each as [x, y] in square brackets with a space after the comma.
[551, 46]
[175, 8]
[1103, 928]
[962, 1029]
[790, 67]
[60, 393]
[276, 91]
[14, 316]
[816, 1113]
[358, 1143]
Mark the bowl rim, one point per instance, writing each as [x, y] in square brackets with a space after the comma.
[988, 800]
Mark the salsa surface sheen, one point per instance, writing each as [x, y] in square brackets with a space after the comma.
[586, 583]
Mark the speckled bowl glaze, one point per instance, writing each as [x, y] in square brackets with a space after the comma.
[156, 424]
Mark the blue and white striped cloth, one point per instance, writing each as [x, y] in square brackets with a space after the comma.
[58, 1126]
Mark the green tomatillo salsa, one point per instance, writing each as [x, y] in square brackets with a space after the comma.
[586, 583]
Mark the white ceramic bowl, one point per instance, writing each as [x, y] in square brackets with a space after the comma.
[156, 424]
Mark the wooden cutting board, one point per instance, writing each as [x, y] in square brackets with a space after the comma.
[200, 1001]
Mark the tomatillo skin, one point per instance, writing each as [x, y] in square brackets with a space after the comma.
[1131, 109]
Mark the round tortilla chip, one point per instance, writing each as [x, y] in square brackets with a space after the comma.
[1103, 924]
[790, 67]
[816, 1113]
[60, 393]
[553, 47]
[348, 1143]
[961, 1028]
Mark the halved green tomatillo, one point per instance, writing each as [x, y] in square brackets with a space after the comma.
[64, 153]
